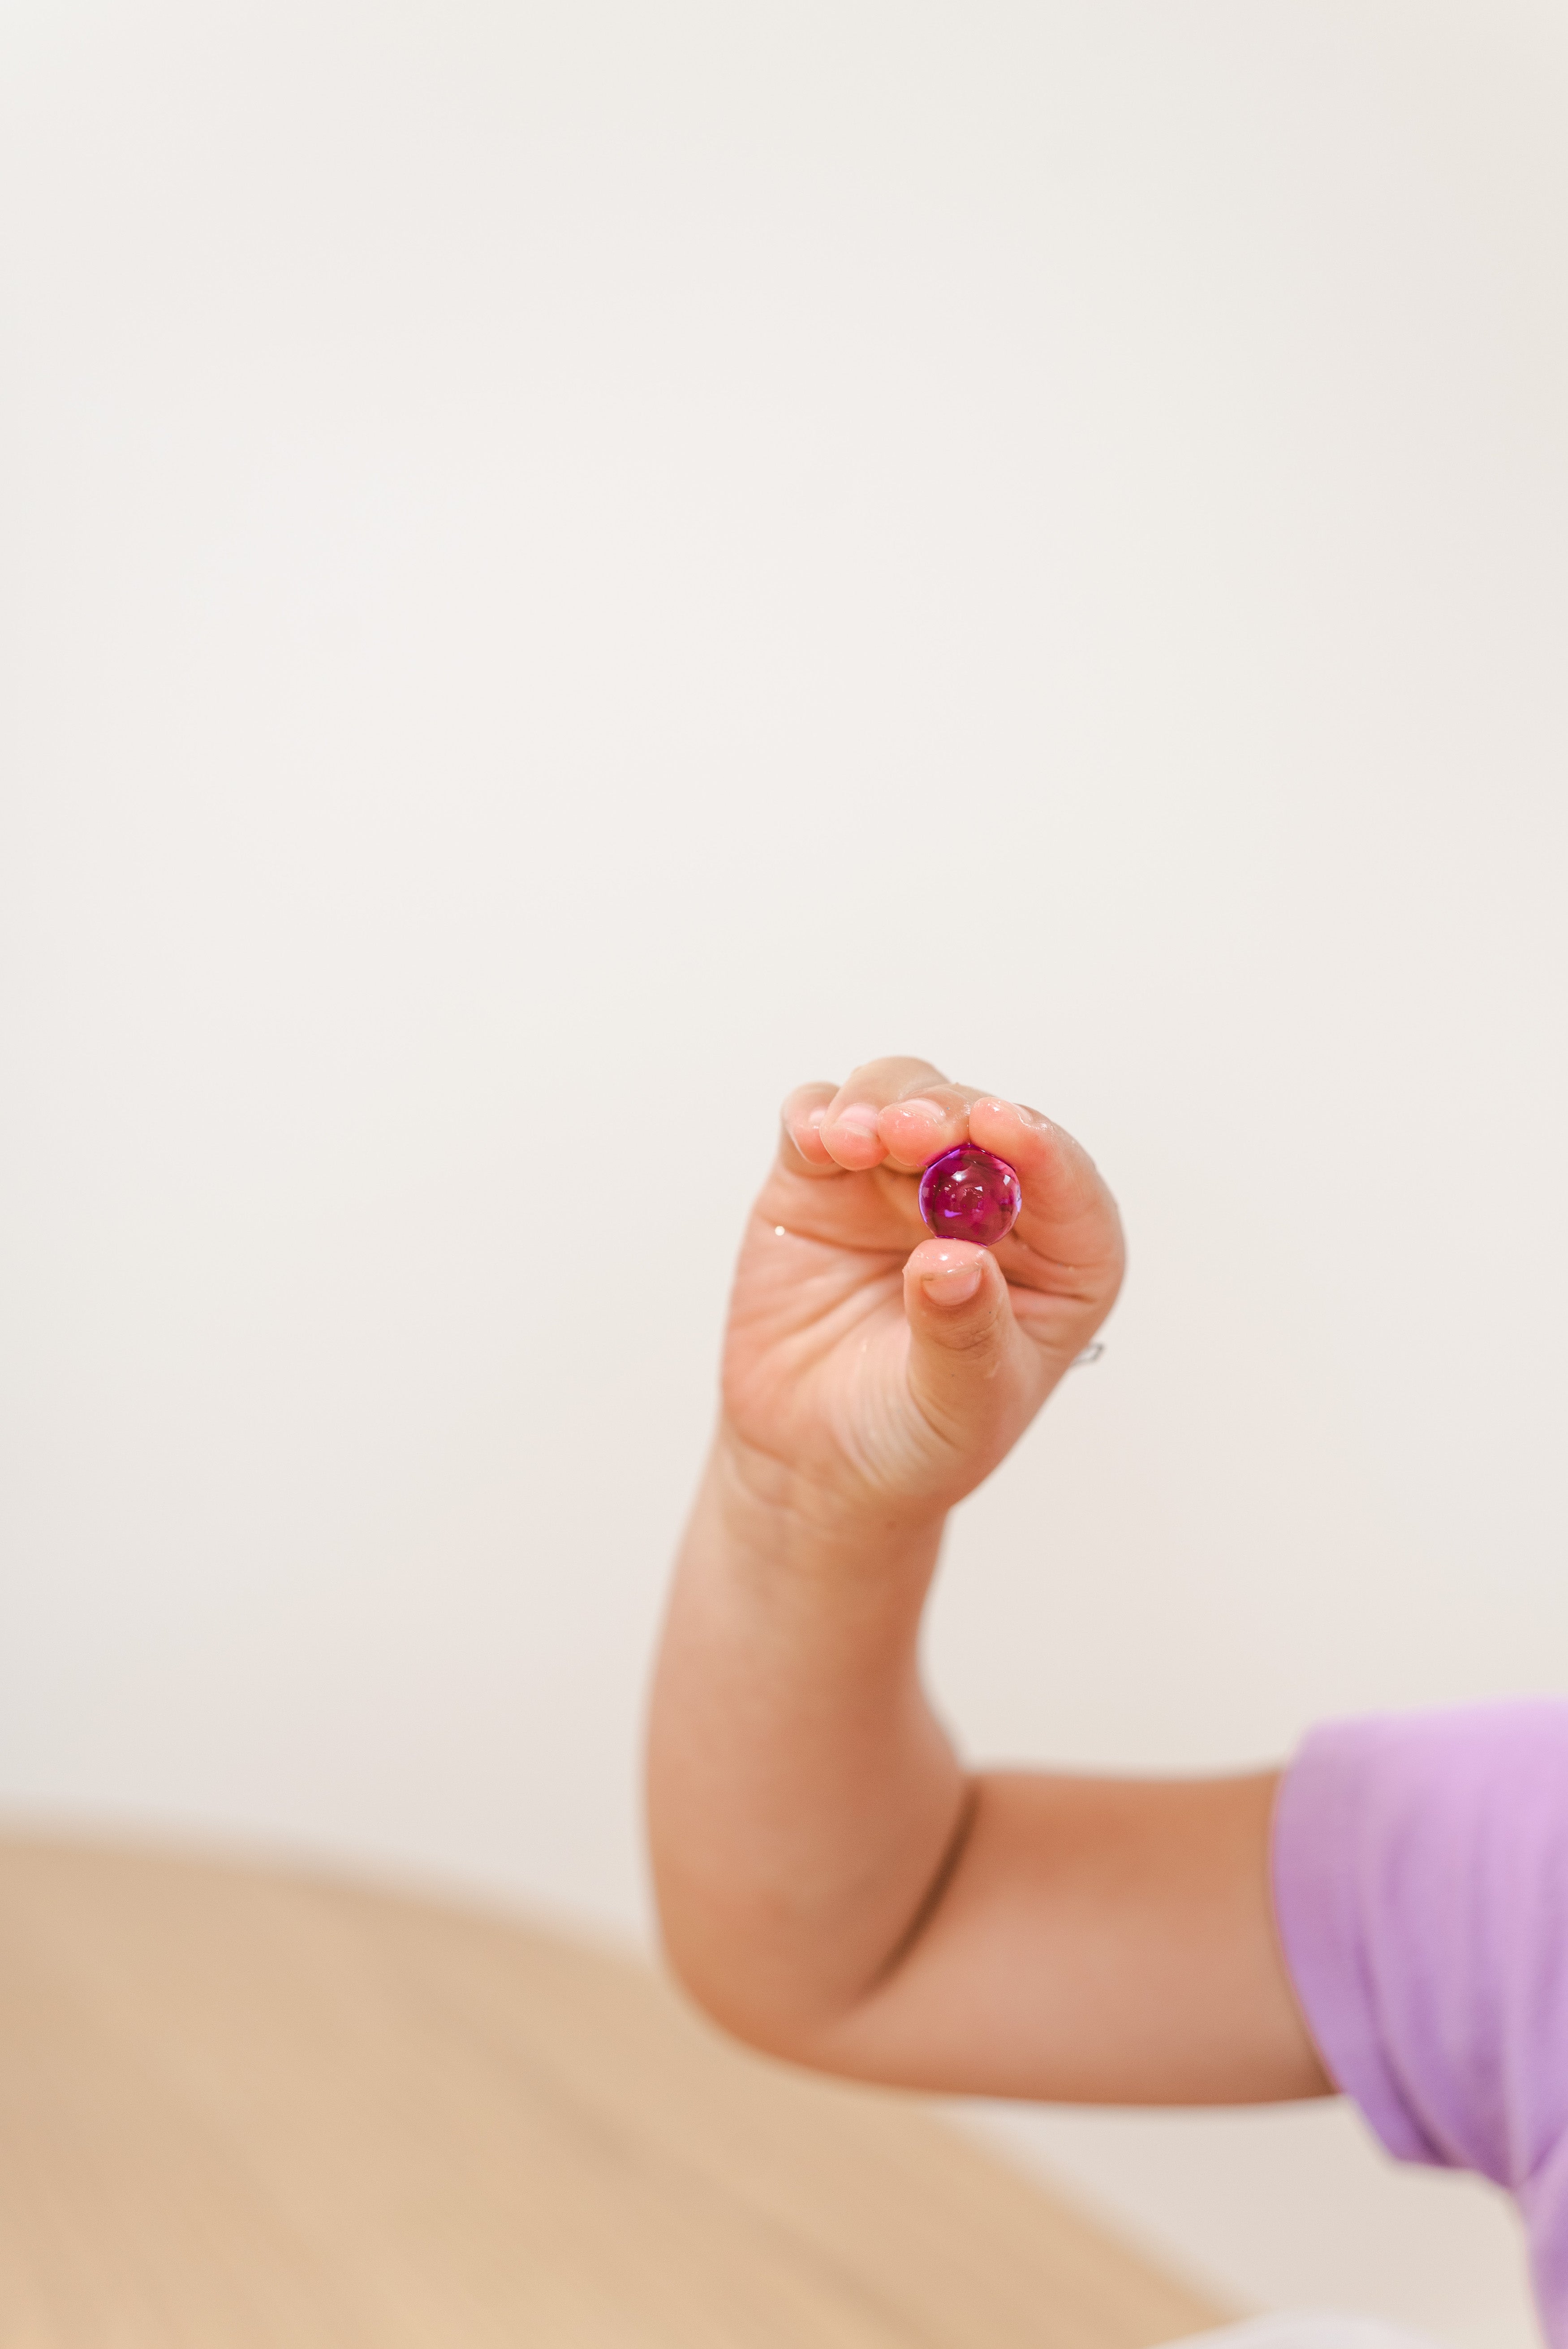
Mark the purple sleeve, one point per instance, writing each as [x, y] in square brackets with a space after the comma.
[1420, 1867]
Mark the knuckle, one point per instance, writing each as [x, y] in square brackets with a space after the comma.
[975, 1335]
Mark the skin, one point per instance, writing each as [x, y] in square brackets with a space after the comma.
[833, 1885]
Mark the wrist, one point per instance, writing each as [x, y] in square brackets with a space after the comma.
[773, 1509]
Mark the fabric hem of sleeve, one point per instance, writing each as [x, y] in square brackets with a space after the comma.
[1313, 1872]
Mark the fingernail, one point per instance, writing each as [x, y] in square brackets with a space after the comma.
[858, 1118]
[956, 1285]
[920, 1107]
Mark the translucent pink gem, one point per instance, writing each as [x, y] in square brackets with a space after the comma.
[970, 1195]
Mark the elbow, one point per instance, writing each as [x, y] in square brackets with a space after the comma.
[726, 1990]
[748, 1992]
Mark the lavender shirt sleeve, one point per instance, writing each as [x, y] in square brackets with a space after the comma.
[1420, 1867]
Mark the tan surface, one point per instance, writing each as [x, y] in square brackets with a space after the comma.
[241, 2108]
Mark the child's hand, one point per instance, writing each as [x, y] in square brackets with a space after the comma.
[870, 1370]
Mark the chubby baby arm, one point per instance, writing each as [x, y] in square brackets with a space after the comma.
[833, 1885]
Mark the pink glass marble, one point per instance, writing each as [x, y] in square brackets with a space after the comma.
[970, 1195]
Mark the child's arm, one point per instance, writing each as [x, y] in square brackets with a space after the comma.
[833, 1884]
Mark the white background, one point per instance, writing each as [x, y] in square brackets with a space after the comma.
[564, 568]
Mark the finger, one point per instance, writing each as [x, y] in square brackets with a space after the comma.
[961, 1335]
[1068, 1239]
[851, 1129]
[919, 1128]
[801, 1150]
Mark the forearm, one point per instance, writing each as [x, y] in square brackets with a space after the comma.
[803, 1800]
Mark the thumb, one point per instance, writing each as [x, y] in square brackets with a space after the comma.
[963, 1344]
